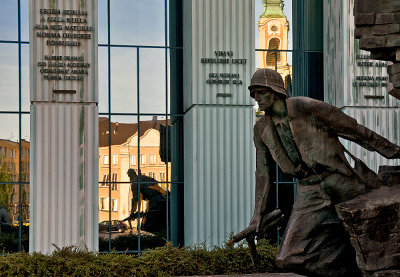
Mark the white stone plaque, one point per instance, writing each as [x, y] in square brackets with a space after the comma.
[63, 50]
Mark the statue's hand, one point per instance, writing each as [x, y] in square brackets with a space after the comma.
[255, 220]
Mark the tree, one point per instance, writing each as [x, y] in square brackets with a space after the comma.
[6, 190]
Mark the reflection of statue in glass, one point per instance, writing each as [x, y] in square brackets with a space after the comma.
[302, 136]
[5, 220]
[154, 216]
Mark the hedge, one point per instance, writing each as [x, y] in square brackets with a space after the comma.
[161, 261]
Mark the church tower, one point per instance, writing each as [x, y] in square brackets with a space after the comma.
[274, 29]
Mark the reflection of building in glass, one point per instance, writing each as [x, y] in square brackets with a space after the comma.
[274, 27]
[125, 154]
[9, 172]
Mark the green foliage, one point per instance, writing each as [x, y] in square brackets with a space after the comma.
[6, 190]
[162, 261]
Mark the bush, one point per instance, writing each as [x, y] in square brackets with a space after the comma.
[162, 261]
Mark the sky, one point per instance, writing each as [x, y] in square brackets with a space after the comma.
[132, 22]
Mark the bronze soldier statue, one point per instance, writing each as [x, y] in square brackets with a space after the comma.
[302, 136]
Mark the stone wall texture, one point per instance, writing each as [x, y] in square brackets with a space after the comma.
[378, 28]
[373, 223]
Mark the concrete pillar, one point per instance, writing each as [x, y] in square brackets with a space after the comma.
[64, 124]
[219, 116]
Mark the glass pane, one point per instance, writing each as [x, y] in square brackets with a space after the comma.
[268, 25]
[103, 79]
[25, 78]
[9, 20]
[123, 80]
[123, 157]
[9, 77]
[138, 22]
[9, 128]
[152, 81]
[24, 20]
[102, 22]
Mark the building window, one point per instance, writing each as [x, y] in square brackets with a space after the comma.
[11, 154]
[133, 160]
[142, 159]
[106, 179]
[115, 159]
[162, 176]
[114, 205]
[271, 55]
[153, 159]
[103, 204]
[106, 159]
[152, 175]
[114, 185]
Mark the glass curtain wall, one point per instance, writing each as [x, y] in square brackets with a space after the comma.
[14, 122]
[288, 37]
[139, 120]
[140, 124]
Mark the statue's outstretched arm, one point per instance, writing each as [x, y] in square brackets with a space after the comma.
[328, 116]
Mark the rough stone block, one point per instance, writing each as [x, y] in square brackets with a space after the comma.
[385, 18]
[373, 223]
[372, 42]
[394, 68]
[363, 31]
[386, 29]
[387, 6]
[362, 19]
[382, 54]
[392, 40]
[364, 6]
[395, 79]
[395, 92]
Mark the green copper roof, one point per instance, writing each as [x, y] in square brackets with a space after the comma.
[272, 8]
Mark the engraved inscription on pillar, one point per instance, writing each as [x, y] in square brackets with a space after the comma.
[62, 35]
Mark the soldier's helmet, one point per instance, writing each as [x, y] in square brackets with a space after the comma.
[269, 78]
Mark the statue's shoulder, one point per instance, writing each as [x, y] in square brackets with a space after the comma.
[307, 105]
